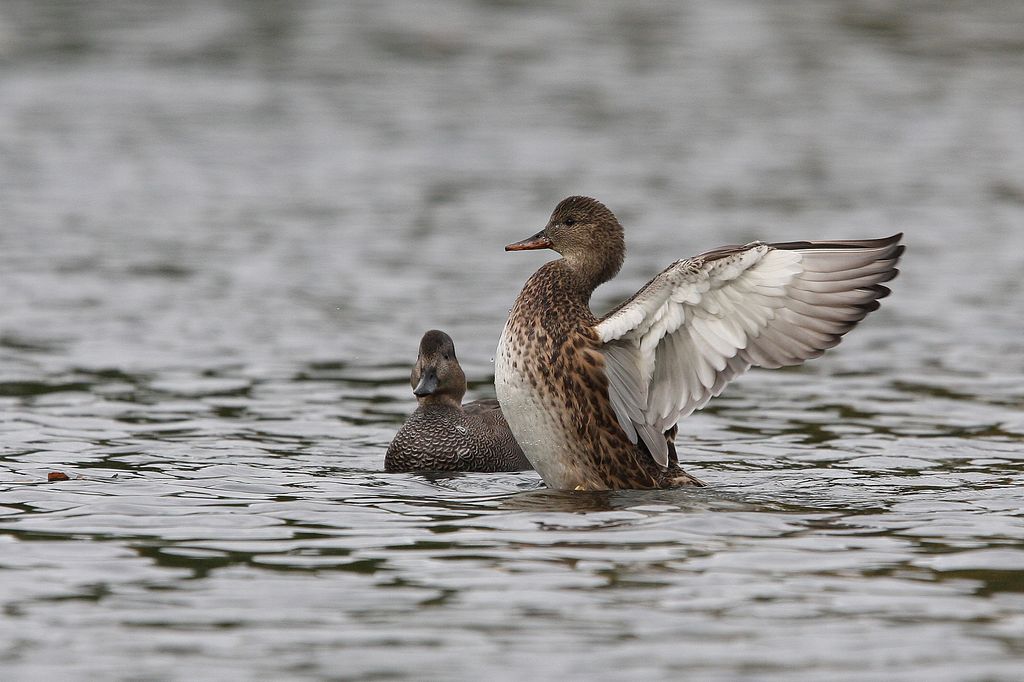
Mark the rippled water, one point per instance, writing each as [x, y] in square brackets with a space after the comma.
[223, 227]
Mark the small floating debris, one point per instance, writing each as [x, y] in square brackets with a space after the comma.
[57, 476]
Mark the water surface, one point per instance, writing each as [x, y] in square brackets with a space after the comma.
[224, 226]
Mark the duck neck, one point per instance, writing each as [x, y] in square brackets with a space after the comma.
[445, 401]
[591, 270]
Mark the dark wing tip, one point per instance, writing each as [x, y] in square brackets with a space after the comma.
[880, 291]
[845, 244]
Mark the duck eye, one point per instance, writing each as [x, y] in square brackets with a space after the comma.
[446, 357]
[569, 222]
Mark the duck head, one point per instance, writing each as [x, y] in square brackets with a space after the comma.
[586, 234]
[437, 376]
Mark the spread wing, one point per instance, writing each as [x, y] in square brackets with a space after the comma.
[703, 321]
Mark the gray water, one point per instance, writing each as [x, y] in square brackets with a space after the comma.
[224, 226]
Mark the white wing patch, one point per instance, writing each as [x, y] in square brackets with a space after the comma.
[702, 322]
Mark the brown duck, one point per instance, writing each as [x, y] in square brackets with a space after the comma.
[443, 434]
[594, 402]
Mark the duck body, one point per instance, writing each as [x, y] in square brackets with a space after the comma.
[551, 381]
[471, 437]
[594, 402]
[443, 434]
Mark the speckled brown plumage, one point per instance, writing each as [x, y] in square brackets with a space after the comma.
[444, 435]
[555, 348]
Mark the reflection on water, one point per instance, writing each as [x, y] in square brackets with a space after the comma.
[224, 227]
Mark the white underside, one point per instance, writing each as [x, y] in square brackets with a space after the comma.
[532, 420]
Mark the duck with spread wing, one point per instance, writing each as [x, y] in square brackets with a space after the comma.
[594, 402]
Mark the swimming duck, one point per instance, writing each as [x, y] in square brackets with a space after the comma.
[443, 434]
[594, 402]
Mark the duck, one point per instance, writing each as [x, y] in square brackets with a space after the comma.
[443, 434]
[595, 402]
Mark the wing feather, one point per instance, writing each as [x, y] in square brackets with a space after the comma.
[704, 321]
